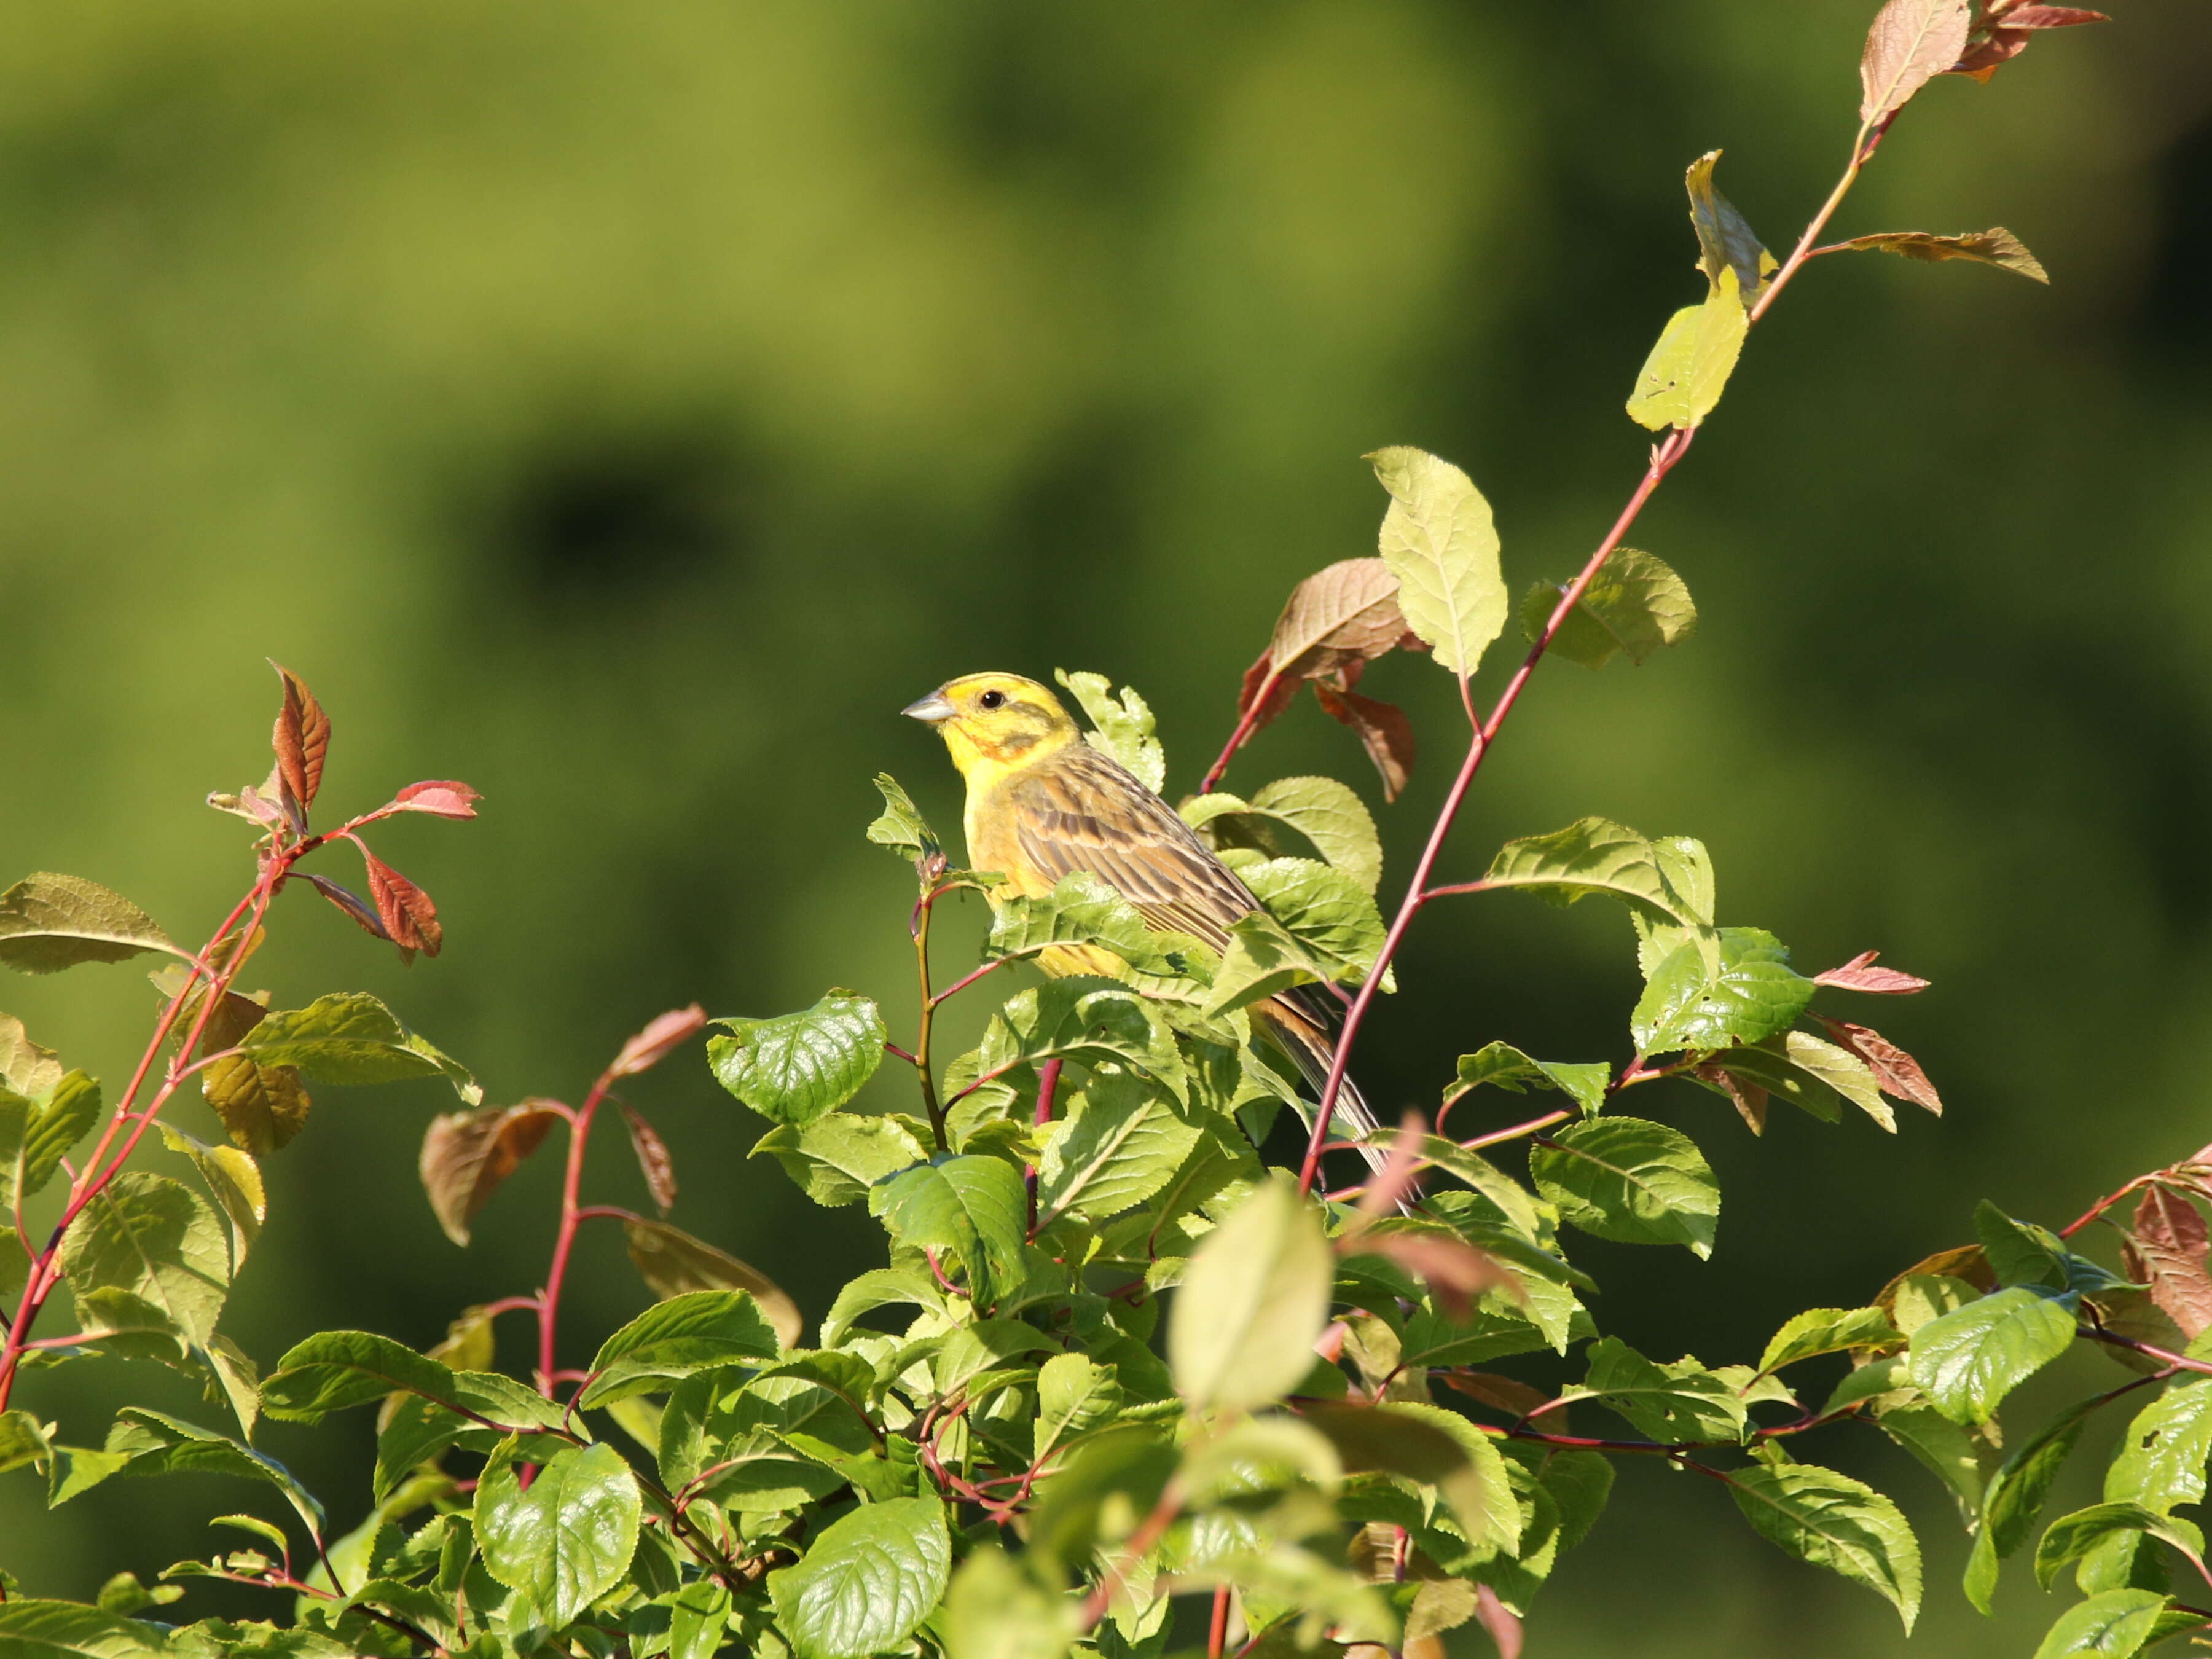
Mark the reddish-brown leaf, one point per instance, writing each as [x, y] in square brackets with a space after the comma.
[1896, 1072]
[301, 739]
[442, 796]
[1911, 43]
[1336, 622]
[1860, 973]
[1453, 1269]
[1749, 1098]
[653, 1158]
[1382, 728]
[1505, 1394]
[657, 1041]
[351, 903]
[410, 920]
[2167, 1249]
[1494, 1617]
[2007, 30]
[467, 1155]
[1390, 1184]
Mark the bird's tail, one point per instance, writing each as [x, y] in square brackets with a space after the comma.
[1304, 1034]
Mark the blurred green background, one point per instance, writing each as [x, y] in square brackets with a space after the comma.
[628, 408]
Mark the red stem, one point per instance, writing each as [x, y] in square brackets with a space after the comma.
[1217, 1637]
[1048, 1086]
[572, 1213]
[1243, 732]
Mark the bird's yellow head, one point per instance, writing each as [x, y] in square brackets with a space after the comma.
[995, 723]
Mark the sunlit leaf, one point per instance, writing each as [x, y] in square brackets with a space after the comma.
[49, 922]
[1635, 1181]
[234, 1180]
[902, 827]
[1633, 605]
[1241, 1328]
[1124, 725]
[352, 1038]
[1909, 44]
[1837, 1523]
[866, 1582]
[1827, 1330]
[153, 1238]
[1598, 856]
[1968, 1361]
[673, 1263]
[973, 1207]
[701, 1330]
[568, 1539]
[301, 740]
[1438, 540]
[1681, 381]
[2112, 1625]
[996, 1611]
[839, 1156]
[794, 1068]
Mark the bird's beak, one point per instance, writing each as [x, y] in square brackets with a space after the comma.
[935, 708]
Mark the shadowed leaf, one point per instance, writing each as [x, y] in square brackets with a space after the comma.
[1996, 246]
[2008, 29]
[49, 1130]
[351, 905]
[1726, 241]
[673, 1263]
[653, 1159]
[467, 1156]
[1384, 731]
[1633, 605]
[49, 922]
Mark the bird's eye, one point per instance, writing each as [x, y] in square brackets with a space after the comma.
[991, 700]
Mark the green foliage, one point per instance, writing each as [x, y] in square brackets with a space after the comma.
[1001, 1445]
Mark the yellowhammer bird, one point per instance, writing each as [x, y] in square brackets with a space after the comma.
[1042, 804]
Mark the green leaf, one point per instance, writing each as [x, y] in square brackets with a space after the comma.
[1726, 241]
[839, 1155]
[973, 1206]
[2015, 1496]
[2071, 1537]
[1261, 961]
[1241, 1328]
[1080, 910]
[144, 1443]
[1331, 816]
[1435, 1447]
[1074, 1397]
[1079, 1018]
[1943, 1448]
[1837, 1523]
[794, 1068]
[1598, 856]
[1329, 913]
[1124, 725]
[868, 1581]
[1634, 604]
[333, 1369]
[698, 1619]
[49, 922]
[1632, 1181]
[1994, 246]
[1968, 1361]
[1827, 1330]
[702, 1331]
[1681, 381]
[996, 1611]
[1503, 1066]
[49, 1131]
[352, 1038]
[2162, 1458]
[569, 1540]
[1678, 1404]
[1438, 540]
[1756, 995]
[2022, 1253]
[234, 1180]
[902, 827]
[2111, 1625]
[69, 1629]
[23, 1439]
[156, 1239]
[1117, 1147]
